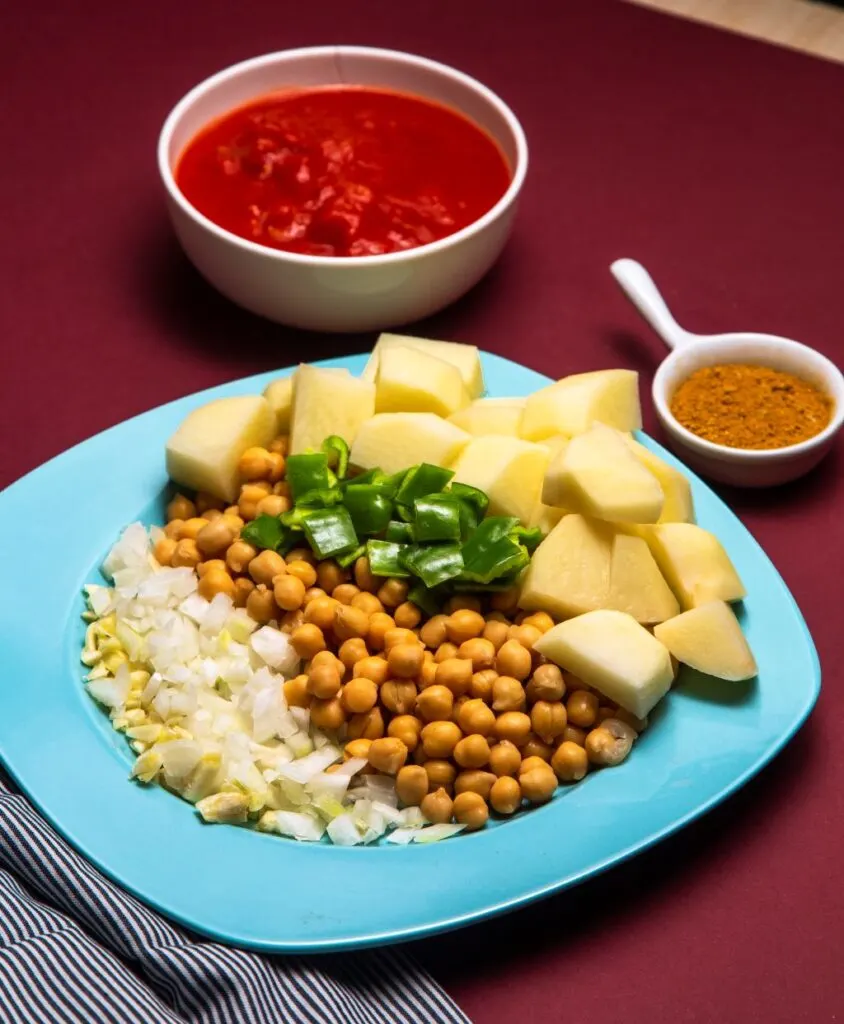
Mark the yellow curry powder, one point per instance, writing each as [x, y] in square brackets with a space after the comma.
[743, 406]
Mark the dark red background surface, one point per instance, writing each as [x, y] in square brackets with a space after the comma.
[716, 161]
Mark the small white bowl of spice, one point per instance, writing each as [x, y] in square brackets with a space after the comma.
[752, 410]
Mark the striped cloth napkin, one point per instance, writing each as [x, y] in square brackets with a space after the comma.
[75, 948]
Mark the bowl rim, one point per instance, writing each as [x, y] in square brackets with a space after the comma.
[176, 114]
[725, 453]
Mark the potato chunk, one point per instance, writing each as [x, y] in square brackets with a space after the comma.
[279, 393]
[325, 402]
[409, 380]
[694, 563]
[508, 469]
[397, 440]
[491, 416]
[709, 638]
[466, 358]
[574, 403]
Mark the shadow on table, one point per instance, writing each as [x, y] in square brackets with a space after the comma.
[579, 916]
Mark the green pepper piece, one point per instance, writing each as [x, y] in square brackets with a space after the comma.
[369, 508]
[337, 452]
[368, 477]
[434, 563]
[384, 558]
[472, 495]
[264, 532]
[421, 481]
[436, 517]
[428, 600]
[480, 555]
[499, 558]
[344, 561]
[530, 538]
[307, 472]
[294, 518]
[324, 497]
[330, 531]
[390, 482]
[398, 532]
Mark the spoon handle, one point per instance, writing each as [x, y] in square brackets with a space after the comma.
[638, 285]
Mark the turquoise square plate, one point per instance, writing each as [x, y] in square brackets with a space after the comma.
[269, 893]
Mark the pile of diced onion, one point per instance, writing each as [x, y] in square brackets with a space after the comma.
[197, 688]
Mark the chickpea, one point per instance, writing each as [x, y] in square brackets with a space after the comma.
[582, 708]
[508, 694]
[496, 632]
[180, 507]
[445, 651]
[261, 606]
[392, 593]
[239, 555]
[546, 683]
[280, 444]
[379, 625]
[296, 692]
[307, 640]
[398, 696]
[472, 751]
[368, 603]
[433, 632]
[217, 581]
[470, 809]
[387, 755]
[570, 762]
[345, 593]
[529, 763]
[440, 738]
[394, 637]
[526, 635]
[463, 602]
[364, 576]
[476, 717]
[435, 704]
[187, 554]
[301, 555]
[327, 714]
[548, 719]
[352, 651]
[357, 748]
[437, 807]
[373, 668]
[369, 725]
[464, 624]
[472, 780]
[330, 575]
[405, 660]
[481, 684]
[359, 695]
[407, 615]
[604, 712]
[291, 621]
[407, 729]
[278, 465]
[323, 681]
[265, 566]
[535, 747]
[440, 773]
[456, 674]
[207, 502]
[480, 652]
[254, 464]
[610, 743]
[320, 612]
[412, 785]
[165, 548]
[506, 601]
[191, 527]
[289, 592]
[331, 659]
[303, 571]
[247, 503]
[312, 593]
[174, 528]
[513, 726]
[538, 783]
[212, 514]
[513, 660]
[428, 672]
[234, 522]
[505, 797]
[572, 734]
[273, 505]
[504, 758]
[230, 510]
[539, 620]
[243, 587]
[207, 566]
[350, 622]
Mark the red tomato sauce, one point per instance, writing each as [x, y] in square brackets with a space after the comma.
[343, 171]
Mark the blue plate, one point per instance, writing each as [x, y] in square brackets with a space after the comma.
[705, 741]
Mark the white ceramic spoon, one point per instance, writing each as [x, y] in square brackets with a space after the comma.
[743, 467]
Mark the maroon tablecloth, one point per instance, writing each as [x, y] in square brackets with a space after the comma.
[714, 160]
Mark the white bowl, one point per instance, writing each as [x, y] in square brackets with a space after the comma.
[746, 467]
[335, 293]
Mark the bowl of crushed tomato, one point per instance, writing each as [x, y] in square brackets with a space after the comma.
[342, 188]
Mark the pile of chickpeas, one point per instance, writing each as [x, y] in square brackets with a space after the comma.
[457, 707]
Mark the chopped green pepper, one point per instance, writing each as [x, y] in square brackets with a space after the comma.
[307, 472]
[473, 495]
[369, 508]
[484, 551]
[428, 600]
[436, 517]
[384, 558]
[499, 558]
[530, 538]
[434, 563]
[420, 481]
[398, 532]
[330, 531]
[264, 532]
[337, 452]
[344, 561]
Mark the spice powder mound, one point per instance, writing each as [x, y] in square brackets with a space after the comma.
[743, 406]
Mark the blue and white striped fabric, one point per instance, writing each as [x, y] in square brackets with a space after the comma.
[75, 948]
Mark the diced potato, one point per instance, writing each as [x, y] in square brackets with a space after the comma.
[695, 564]
[397, 440]
[465, 357]
[545, 517]
[569, 572]
[678, 506]
[491, 416]
[408, 380]
[574, 403]
[597, 474]
[508, 469]
[327, 402]
[709, 638]
[279, 393]
[636, 584]
[555, 443]
[611, 652]
[203, 453]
